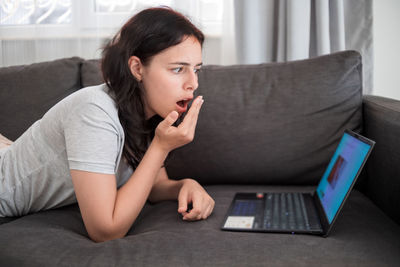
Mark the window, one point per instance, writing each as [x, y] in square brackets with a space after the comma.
[32, 19]
[28, 12]
[41, 30]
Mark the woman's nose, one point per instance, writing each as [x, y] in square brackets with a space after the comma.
[191, 81]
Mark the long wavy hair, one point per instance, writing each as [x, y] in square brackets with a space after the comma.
[144, 35]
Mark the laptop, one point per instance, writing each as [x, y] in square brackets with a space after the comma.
[298, 212]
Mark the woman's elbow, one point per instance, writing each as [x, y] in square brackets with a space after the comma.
[104, 234]
[99, 238]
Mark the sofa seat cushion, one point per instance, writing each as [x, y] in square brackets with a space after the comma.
[363, 236]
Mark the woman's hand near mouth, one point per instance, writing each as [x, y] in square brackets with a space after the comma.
[169, 137]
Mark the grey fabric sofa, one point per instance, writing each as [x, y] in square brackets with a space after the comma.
[262, 127]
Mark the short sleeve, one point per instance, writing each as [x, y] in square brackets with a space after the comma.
[91, 140]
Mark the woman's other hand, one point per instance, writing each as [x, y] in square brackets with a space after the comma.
[193, 193]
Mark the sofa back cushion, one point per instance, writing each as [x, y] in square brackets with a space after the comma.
[276, 123]
[91, 73]
[27, 92]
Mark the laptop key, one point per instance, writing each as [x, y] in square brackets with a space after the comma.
[275, 213]
[305, 215]
[268, 211]
[283, 211]
[298, 212]
[292, 222]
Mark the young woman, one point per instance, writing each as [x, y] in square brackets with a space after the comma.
[104, 146]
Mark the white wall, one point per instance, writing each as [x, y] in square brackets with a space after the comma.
[386, 48]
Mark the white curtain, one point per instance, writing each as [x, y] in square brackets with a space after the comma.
[283, 30]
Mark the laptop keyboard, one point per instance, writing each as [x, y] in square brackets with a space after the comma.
[278, 211]
[285, 211]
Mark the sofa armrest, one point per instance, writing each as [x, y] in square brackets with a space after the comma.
[382, 124]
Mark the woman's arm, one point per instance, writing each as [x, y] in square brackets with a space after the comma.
[108, 213]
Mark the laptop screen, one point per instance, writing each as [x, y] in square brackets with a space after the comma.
[340, 174]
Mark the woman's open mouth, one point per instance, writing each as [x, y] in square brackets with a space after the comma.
[182, 105]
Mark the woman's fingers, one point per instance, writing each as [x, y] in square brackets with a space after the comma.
[169, 120]
[209, 208]
[190, 120]
[202, 208]
[198, 214]
[195, 212]
[182, 202]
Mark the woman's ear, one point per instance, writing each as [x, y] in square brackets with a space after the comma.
[136, 67]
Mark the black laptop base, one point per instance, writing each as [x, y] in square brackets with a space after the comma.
[273, 212]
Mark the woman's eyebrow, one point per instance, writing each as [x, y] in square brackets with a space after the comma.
[185, 64]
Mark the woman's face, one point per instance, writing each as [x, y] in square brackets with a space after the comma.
[170, 78]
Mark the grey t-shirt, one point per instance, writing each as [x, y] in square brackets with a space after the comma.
[81, 132]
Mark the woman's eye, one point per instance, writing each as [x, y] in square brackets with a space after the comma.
[196, 71]
[177, 70]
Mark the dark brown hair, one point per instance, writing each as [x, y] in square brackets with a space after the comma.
[144, 35]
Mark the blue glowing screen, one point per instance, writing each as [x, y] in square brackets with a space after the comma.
[340, 174]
